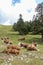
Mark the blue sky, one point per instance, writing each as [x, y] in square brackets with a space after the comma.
[15, 1]
[39, 1]
[10, 10]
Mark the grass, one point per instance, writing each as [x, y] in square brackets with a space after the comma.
[30, 55]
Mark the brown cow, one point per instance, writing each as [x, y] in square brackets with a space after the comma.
[21, 39]
[11, 51]
[32, 46]
[6, 40]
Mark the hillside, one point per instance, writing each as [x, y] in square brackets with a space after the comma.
[4, 29]
[25, 57]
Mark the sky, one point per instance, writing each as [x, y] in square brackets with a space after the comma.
[10, 10]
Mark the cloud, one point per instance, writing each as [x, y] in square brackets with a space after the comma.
[7, 22]
[25, 7]
[3, 17]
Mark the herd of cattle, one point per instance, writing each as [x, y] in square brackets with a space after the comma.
[11, 49]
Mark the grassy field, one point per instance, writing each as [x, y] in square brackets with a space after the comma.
[25, 57]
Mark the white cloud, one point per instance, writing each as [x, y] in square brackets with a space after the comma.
[13, 12]
[7, 22]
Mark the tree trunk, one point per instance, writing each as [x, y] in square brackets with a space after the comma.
[42, 37]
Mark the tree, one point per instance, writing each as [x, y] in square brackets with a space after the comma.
[20, 26]
[15, 27]
[39, 9]
[28, 25]
[35, 26]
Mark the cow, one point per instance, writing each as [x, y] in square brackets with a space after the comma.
[6, 40]
[21, 39]
[11, 50]
[32, 46]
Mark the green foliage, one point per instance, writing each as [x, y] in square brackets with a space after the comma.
[28, 25]
[20, 26]
[35, 26]
[39, 9]
[15, 27]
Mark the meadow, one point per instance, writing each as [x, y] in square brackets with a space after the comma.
[25, 57]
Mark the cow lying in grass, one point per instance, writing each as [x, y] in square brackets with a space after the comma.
[21, 39]
[6, 40]
[11, 50]
[31, 47]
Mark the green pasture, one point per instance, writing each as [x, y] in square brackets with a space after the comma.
[32, 57]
